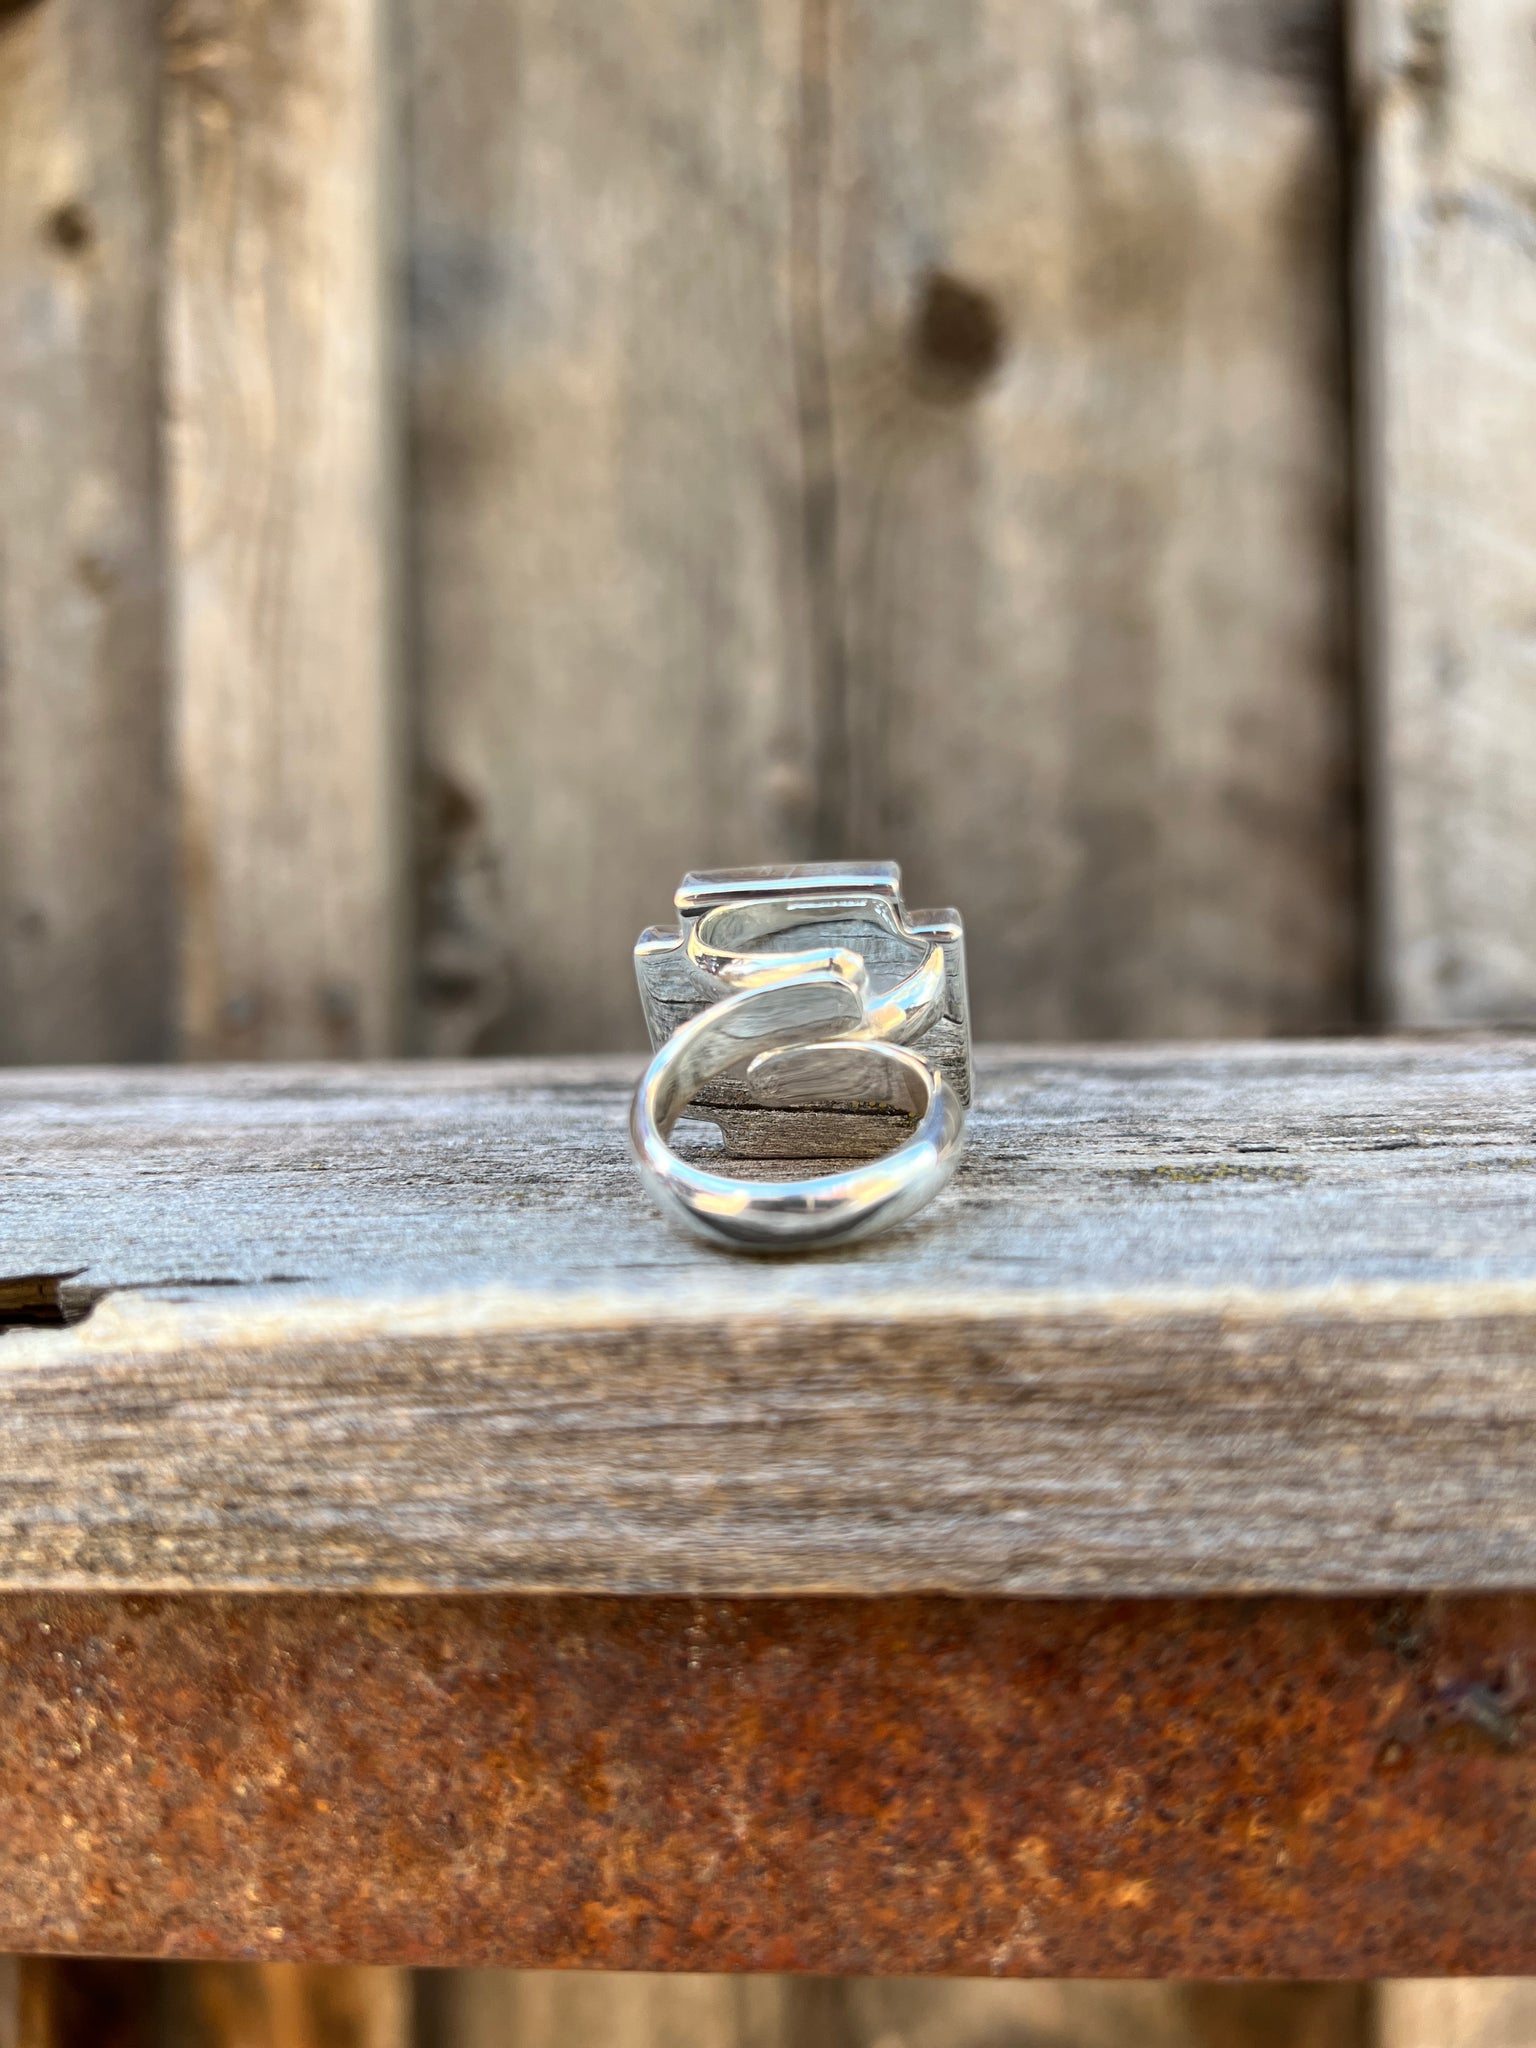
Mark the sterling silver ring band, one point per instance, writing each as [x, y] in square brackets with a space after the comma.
[748, 1020]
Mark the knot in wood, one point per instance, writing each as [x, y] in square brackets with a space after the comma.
[958, 337]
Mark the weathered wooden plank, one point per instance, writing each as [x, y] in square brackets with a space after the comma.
[1292, 1787]
[84, 934]
[1100, 1174]
[1084, 337]
[1426, 2013]
[86, 2003]
[876, 2012]
[285, 2005]
[1448, 252]
[602, 2009]
[606, 491]
[546, 2009]
[284, 578]
[884, 429]
[83, 2003]
[1188, 1320]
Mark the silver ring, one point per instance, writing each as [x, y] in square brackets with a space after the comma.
[752, 1026]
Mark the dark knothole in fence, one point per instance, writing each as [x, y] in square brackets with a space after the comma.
[958, 337]
[69, 227]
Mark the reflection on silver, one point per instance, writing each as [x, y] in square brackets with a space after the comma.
[796, 987]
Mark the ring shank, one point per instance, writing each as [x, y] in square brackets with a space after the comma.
[821, 1012]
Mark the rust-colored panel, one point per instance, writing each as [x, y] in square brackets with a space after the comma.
[1262, 1787]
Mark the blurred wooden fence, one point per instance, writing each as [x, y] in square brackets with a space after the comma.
[464, 461]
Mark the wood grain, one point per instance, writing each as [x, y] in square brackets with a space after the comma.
[606, 492]
[1189, 1321]
[286, 2005]
[80, 2003]
[861, 429]
[1448, 298]
[878, 2012]
[1084, 339]
[1498, 2012]
[84, 926]
[543, 2009]
[284, 523]
[606, 2009]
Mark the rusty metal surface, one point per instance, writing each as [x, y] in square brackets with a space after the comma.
[1277, 1787]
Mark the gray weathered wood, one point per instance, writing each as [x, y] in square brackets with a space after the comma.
[1087, 365]
[1448, 296]
[284, 571]
[884, 429]
[84, 925]
[1188, 1320]
[606, 491]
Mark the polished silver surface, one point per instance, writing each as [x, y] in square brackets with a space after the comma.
[803, 989]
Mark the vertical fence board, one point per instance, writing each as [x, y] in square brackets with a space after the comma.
[1089, 2015]
[512, 2009]
[84, 930]
[883, 429]
[80, 2004]
[286, 624]
[606, 488]
[1498, 2012]
[546, 2009]
[1084, 316]
[282, 2005]
[1447, 106]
